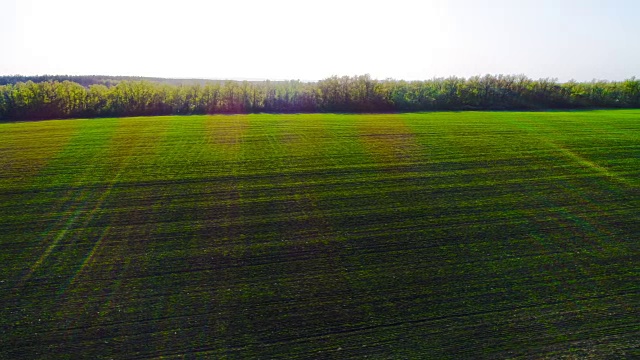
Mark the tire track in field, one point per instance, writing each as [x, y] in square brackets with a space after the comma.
[82, 302]
[71, 196]
[467, 143]
[534, 130]
[192, 300]
[131, 141]
[461, 144]
[562, 215]
[25, 154]
[415, 284]
[466, 140]
[67, 174]
[573, 210]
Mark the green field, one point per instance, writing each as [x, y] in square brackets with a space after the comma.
[434, 235]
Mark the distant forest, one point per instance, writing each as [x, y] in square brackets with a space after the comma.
[53, 97]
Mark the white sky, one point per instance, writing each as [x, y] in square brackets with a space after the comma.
[311, 40]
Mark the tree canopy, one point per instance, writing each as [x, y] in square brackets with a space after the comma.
[58, 97]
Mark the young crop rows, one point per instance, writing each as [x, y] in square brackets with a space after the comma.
[441, 235]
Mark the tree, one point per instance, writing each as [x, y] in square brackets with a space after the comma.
[49, 99]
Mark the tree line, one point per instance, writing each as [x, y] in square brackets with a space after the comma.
[87, 80]
[102, 97]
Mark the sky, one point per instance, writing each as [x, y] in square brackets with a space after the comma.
[311, 40]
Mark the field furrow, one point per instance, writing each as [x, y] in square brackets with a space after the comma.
[439, 235]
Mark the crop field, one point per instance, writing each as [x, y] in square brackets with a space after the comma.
[430, 235]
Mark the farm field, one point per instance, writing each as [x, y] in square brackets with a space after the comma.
[429, 235]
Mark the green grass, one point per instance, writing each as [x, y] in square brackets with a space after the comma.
[442, 235]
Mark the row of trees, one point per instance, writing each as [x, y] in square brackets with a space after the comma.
[68, 99]
[87, 80]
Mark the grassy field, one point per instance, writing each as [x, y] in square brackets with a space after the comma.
[439, 235]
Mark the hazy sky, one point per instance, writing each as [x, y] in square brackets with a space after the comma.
[310, 40]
